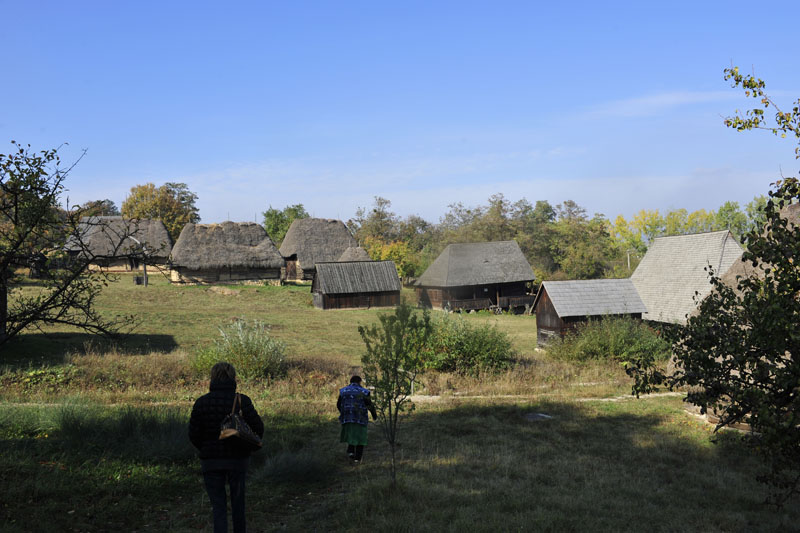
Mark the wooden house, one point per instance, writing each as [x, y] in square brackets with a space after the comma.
[355, 284]
[479, 275]
[673, 272]
[310, 241]
[116, 244]
[561, 305]
[229, 252]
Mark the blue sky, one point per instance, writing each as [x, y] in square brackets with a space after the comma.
[616, 105]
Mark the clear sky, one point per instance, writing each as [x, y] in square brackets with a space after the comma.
[616, 105]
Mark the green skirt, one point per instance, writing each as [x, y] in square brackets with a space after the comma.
[354, 434]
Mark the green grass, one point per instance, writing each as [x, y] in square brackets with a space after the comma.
[94, 435]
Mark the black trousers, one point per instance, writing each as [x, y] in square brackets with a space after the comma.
[215, 481]
[355, 451]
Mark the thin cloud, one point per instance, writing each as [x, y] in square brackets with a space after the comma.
[655, 104]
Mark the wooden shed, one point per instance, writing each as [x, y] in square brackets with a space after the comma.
[561, 305]
[672, 272]
[479, 275]
[116, 244]
[355, 284]
[310, 241]
[229, 252]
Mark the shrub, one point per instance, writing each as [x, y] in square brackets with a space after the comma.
[458, 346]
[621, 339]
[248, 346]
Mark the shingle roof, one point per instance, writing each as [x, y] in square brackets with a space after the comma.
[229, 244]
[357, 277]
[316, 239]
[672, 271]
[593, 297]
[478, 263]
[109, 236]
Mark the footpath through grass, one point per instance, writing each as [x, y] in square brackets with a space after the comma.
[94, 436]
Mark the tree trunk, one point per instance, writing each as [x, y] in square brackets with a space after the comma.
[3, 305]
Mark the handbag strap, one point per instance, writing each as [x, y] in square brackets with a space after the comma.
[235, 400]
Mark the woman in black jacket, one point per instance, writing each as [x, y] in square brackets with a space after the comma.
[223, 461]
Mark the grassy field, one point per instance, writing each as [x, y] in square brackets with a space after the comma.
[94, 435]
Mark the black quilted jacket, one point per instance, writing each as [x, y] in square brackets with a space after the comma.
[207, 415]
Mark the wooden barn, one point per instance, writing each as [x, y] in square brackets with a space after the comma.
[355, 284]
[313, 240]
[673, 271]
[116, 244]
[561, 305]
[479, 275]
[230, 252]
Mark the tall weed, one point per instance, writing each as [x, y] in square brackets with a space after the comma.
[460, 347]
[621, 339]
[248, 346]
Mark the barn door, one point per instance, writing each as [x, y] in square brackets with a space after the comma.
[291, 267]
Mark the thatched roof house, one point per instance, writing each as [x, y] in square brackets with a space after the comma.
[229, 252]
[313, 240]
[673, 271]
[561, 305]
[477, 276]
[118, 244]
[355, 253]
[349, 284]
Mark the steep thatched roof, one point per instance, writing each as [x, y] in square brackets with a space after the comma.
[673, 270]
[477, 263]
[592, 297]
[114, 236]
[314, 240]
[229, 244]
[355, 253]
[354, 277]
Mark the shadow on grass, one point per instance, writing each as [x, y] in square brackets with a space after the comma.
[92, 468]
[634, 466]
[50, 348]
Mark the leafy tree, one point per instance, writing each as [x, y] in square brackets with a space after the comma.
[676, 221]
[739, 353]
[755, 214]
[172, 203]
[379, 223]
[277, 222]
[35, 233]
[392, 361]
[96, 208]
[729, 216]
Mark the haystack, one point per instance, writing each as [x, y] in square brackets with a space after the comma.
[229, 252]
[313, 240]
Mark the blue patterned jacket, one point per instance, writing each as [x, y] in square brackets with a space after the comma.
[353, 405]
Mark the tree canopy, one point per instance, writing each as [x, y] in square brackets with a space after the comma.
[172, 203]
[277, 222]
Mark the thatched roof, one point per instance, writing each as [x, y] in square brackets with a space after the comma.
[477, 263]
[354, 277]
[229, 244]
[114, 236]
[673, 270]
[314, 240]
[355, 253]
[592, 297]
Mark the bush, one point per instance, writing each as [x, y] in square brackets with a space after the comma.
[621, 339]
[458, 346]
[248, 347]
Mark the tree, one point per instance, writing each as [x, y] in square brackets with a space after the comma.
[277, 222]
[740, 353]
[172, 203]
[97, 208]
[34, 232]
[392, 361]
[730, 217]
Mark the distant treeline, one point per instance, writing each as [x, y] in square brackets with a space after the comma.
[560, 242]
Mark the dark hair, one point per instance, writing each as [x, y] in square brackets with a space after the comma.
[223, 371]
[355, 379]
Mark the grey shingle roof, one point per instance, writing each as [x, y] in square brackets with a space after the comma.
[593, 297]
[357, 277]
[672, 271]
[478, 263]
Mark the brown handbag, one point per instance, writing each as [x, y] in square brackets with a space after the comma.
[233, 425]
